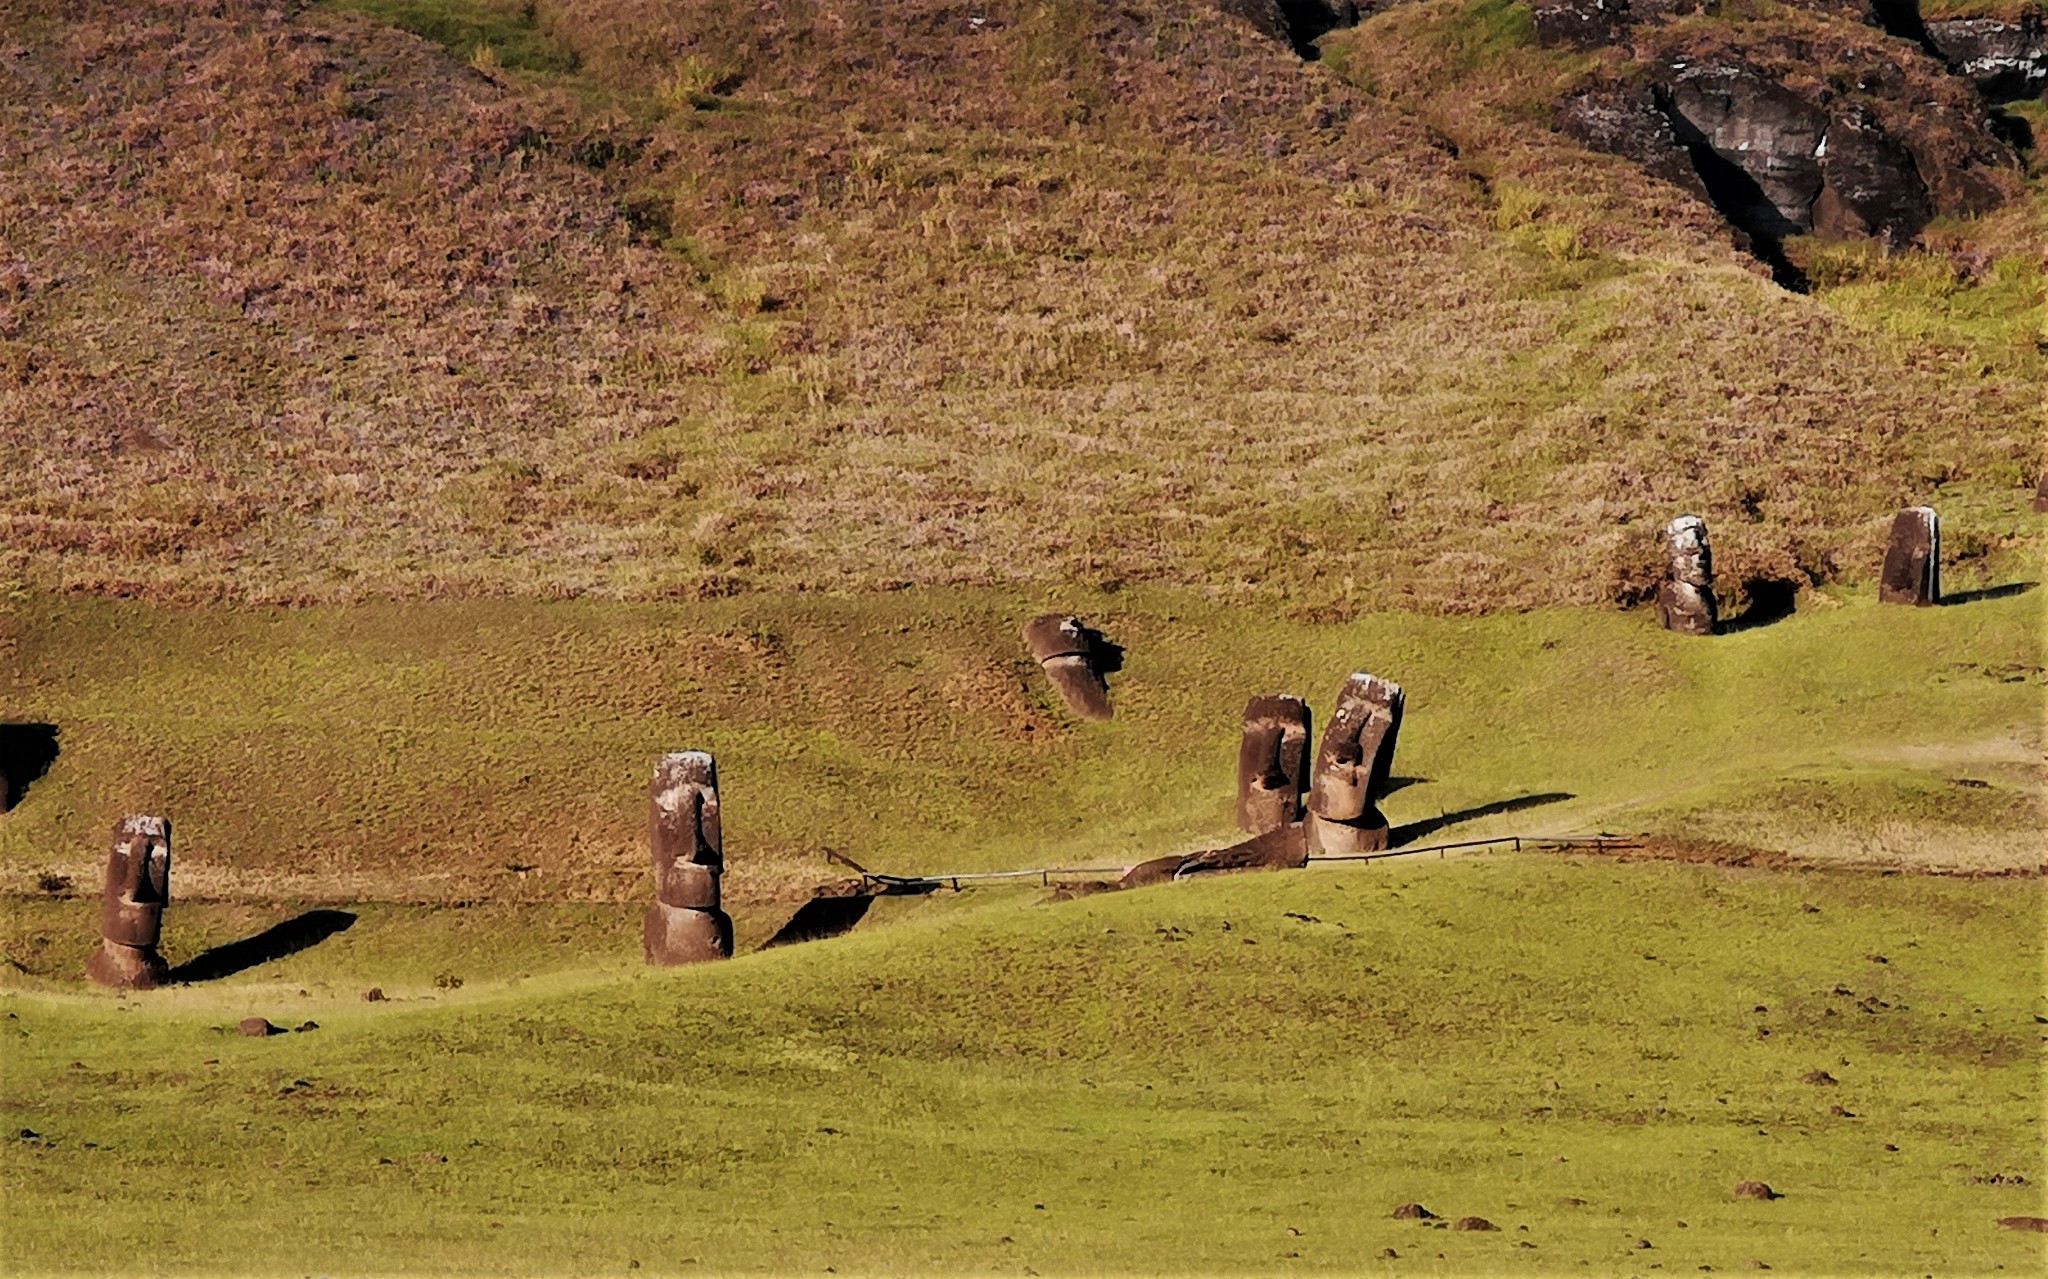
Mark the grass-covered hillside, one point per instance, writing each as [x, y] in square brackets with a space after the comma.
[596, 299]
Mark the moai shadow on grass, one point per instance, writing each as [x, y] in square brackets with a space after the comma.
[137, 889]
[685, 925]
[1076, 656]
[1272, 763]
[1685, 598]
[1353, 767]
[1912, 559]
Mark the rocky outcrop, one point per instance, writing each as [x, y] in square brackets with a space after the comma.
[2006, 60]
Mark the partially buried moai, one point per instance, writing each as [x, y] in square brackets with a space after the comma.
[1073, 654]
[1685, 598]
[1353, 767]
[1912, 559]
[1272, 762]
[132, 905]
[685, 924]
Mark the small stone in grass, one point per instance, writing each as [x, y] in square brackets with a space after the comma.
[255, 1027]
[1747, 1189]
[1473, 1223]
[1413, 1212]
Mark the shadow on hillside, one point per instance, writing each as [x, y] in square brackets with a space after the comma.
[1409, 832]
[26, 753]
[2004, 591]
[288, 937]
[822, 917]
[1771, 599]
[1398, 783]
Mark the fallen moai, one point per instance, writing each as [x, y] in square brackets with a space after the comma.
[1353, 766]
[685, 924]
[1685, 598]
[1272, 763]
[1912, 559]
[1074, 656]
[138, 887]
[1282, 848]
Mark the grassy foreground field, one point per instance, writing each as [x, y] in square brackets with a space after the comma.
[1237, 1075]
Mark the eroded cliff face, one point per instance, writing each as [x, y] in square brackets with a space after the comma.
[1815, 121]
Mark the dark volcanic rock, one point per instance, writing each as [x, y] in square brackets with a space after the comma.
[1912, 559]
[2005, 60]
[1629, 123]
[1473, 1223]
[1413, 1212]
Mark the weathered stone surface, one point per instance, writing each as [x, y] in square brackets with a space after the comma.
[1366, 833]
[686, 841]
[671, 935]
[1912, 559]
[1073, 655]
[1272, 762]
[1685, 599]
[1627, 121]
[683, 825]
[1869, 183]
[1764, 131]
[1282, 848]
[1353, 765]
[1473, 1223]
[138, 887]
[1157, 870]
[2005, 59]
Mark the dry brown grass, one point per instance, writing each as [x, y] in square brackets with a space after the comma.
[300, 307]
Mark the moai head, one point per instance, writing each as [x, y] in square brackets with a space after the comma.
[137, 889]
[685, 924]
[1357, 754]
[1272, 762]
[682, 830]
[1076, 656]
[1685, 599]
[1912, 559]
[138, 883]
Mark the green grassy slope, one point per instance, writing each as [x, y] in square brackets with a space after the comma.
[1241, 1075]
[421, 753]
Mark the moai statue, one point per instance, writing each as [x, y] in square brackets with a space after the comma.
[2041, 495]
[132, 905]
[1685, 599]
[1912, 560]
[1272, 763]
[685, 924]
[1353, 766]
[1073, 654]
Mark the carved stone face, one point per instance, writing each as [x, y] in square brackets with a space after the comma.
[1357, 754]
[138, 884]
[1272, 762]
[1076, 657]
[683, 812]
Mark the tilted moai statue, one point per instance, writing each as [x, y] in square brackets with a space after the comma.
[1685, 599]
[1353, 766]
[1272, 763]
[1912, 560]
[1071, 653]
[685, 924]
[132, 905]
